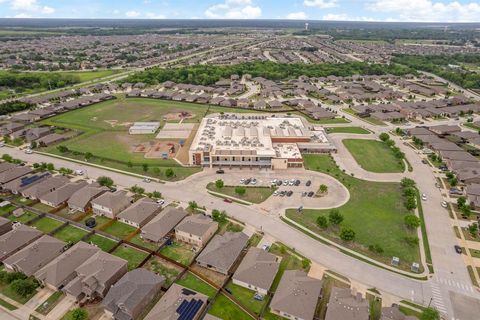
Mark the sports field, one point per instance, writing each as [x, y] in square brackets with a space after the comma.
[104, 133]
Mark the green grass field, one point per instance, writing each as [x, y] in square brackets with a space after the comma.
[252, 194]
[145, 244]
[179, 252]
[24, 218]
[191, 281]
[375, 211]
[70, 234]
[91, 75]
[356, 130]
[103, 243]
[119, 229]
[225, 309]
[132, 255]
[374, 156]
[245, 296]
[47, 225]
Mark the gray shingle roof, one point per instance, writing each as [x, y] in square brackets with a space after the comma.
[297, 294]
[45, 186]
[17, 238]
[140, 211]
[82, 197]
[343, 305]
[222, 251]
[63, 193]
[196, 224]
[163, 223]
[257, 268]
[114, 200]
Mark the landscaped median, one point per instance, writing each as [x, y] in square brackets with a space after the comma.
[372, 222]
[249, 194]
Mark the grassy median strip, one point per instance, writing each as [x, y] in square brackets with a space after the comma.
[7, 305]
[252, 194]
[355, 130]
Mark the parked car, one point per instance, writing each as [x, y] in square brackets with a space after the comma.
[285, 183]
[304, 194]
[444, 204]
[456, 191]
[424, 197]
[247, 181]
[242, 181]
[275, 193]
[147, 180]
[289, 193]
[254, 181]
[310, 194]
[220, 171]
[424, 161]
[160, 201]
[79, 172]
[279, 183]
[28, 151]
[458, 249]
[297, 182]
[258, 297]
[227, 200]
[266, 247]
[308, 183]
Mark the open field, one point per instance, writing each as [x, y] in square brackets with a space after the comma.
[252, 194]
[84, 76]
[374, 156]
[375, 211]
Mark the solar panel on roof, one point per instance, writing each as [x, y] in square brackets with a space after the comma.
[190, 310]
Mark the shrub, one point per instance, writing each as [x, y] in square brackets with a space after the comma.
[105, 181]
[347, 234]
[322, 222]
[412, 221]
[335, 217]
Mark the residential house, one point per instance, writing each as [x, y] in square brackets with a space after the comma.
[196, 230]
[61, 270]
[222, 252]
[296, 296]
[394, 313]
[445, 129]
[94, 277]
[5, 166]
[139, 213]
[60, 196]
[81, 200]
[177, 303]
[36, 133]
[50, 139]
[20, 184]
[48, 185]
[16, 239]
[257, 270]
[12, 174]
[343, 305]
[473, 196]
[5, 225]
[130, 296]
[110, 204]
[35, 256]
[161, 225]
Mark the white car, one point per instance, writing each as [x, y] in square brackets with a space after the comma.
[147, 180]
[28, 151]
[291, 183]
[160, 201]
[242, 181]
[275, 193]
[266, 246]
[79, 172]
[285, 183]
[253, 182]
[444, 204]
[424, 197]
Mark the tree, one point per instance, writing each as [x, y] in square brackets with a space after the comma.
[63, 170]
[240, 190]
[24, 287]
[192, 205]
[406, 182]
[323, 188]
[157, 171]
[169, 173]
[409, 192]
[390, 143]
[473, 229]
[33, 144]
[78, 314]
[156, 195]
[466, 211]
[145, 167]
[88, 156]
[412, 221]
[410, 203]
[129, 164]
[218, 216]
[50, 167]
[430, 314]
[322, 222]
[384, 136]
[306, 263]
[105, 181]
[335, 217]
[461, 202]
[219, 184]
[7, 157]
[347, 234]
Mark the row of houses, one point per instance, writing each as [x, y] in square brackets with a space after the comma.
[445, 141]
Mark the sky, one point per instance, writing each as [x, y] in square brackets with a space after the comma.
[342, 10]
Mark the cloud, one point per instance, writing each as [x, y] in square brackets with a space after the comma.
[322, 4]
[428, 10]
[297, 15]
[151, 15]
[132, 14]
[234, 9]
[22, 15]
[344, 17]
[29, 6]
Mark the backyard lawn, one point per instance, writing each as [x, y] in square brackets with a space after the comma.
[6, 209]
[356, 130]
[178, 251]
[374, 156]
[102, 242]
[252, 194]
[225, 309]
[70, 234]
[119, 229]
[46, 224]
[145, 244]
[24, 218]
[191, 281]
[163, 268]
[132, 255]
[375, 212]
[8, 291]
[245, 296]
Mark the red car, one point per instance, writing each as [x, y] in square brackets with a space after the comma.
[227, 200]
